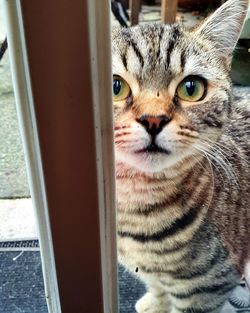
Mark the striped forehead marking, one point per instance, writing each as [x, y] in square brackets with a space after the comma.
[152, 38]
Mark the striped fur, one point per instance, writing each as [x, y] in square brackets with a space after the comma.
[183, 213]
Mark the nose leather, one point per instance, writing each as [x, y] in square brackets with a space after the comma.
[153, 124]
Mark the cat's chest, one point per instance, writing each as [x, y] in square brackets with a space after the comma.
[146, 259]
[138, 245]
[152, 241]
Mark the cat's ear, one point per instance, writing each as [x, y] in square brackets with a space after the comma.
[223, 27]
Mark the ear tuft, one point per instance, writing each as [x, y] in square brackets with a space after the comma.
[223, 27]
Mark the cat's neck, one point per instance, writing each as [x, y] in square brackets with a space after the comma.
[134, 186]
[170, 174]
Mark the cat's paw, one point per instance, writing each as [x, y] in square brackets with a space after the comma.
[152, 304]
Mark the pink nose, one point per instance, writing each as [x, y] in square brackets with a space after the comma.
[153, 124]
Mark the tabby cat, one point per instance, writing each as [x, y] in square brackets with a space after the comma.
[182, 162]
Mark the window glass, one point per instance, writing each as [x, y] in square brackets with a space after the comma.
[21, 279]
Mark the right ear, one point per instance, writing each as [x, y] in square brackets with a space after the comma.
[223, 27]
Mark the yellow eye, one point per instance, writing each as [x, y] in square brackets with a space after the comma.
[121, 89]
[191, 89]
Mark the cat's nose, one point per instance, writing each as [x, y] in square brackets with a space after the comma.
[154, 124]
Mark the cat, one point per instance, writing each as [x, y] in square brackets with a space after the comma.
[182, 151]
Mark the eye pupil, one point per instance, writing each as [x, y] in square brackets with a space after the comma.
[116, 87]
[190, 87]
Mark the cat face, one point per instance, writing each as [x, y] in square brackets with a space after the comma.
[171, 89]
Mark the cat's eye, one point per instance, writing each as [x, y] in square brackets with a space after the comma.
[192, 89]
[121, 89]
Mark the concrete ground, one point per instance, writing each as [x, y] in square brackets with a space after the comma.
[17, 219]
[16, 213]
[13, 180]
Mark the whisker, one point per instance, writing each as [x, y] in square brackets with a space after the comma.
[222, 161]
[203, 154]
[221, 152]
[213, 182]
[200, 148]
[218, 146]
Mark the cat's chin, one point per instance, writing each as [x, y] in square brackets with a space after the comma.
[148, 162]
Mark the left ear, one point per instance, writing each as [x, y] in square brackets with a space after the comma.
[223, 27]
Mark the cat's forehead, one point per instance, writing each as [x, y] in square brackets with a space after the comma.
[150, 43]
[146, 36]
[156, 53]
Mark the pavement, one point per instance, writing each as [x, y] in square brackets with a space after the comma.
[17, 219]
[13, 179]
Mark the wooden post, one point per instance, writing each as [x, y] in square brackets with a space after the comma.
[135, 7]
[168, 11]
[65, 105]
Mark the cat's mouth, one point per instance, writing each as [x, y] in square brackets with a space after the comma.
[154, 149]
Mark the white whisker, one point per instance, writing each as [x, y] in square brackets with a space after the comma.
[221, 160]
